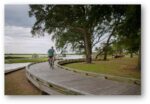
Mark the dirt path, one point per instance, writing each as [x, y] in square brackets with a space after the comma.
[16, 84]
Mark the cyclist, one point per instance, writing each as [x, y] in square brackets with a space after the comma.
[51, 57]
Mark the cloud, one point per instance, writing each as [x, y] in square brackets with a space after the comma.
[20, 40]
[17, 15]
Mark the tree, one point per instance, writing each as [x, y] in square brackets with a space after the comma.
[117, 16]
[125, 28]
[64, 19]
[83, 26]
[73, 39]
[130, 29]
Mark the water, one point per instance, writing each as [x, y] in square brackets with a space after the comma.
[73, 57]
[14, 66]
[17, 65]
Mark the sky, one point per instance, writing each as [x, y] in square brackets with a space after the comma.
[18, 38]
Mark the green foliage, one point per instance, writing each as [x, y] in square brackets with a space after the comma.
[126, 34]
[83, 26]
[25, 60]
[70, 24]
[130, 29]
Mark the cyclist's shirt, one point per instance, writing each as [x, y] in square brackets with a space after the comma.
[50, 52]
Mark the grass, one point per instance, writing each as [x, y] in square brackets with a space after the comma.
[124, 67]
[24, 55]
[16, 84]
[24, 60]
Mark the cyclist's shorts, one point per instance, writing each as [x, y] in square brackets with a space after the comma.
[50, 56]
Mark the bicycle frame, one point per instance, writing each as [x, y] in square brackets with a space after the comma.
[51, 62]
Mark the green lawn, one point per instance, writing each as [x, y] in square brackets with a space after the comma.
[125, 67]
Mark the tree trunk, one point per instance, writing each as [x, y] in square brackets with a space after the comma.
[106, 47]
[139, 59]
[99, 54]
[105, 53]
[88, 48]
[87, 43]
[120, 51]
[131, 54]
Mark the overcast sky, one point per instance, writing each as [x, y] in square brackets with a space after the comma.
[18, 38]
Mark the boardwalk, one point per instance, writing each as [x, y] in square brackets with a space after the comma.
[83, 83]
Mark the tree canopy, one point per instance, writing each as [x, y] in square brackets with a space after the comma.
[83, 26]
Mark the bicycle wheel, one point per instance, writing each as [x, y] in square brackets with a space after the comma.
[50, 63]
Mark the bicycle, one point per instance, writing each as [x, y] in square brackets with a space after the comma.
[51, 62]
